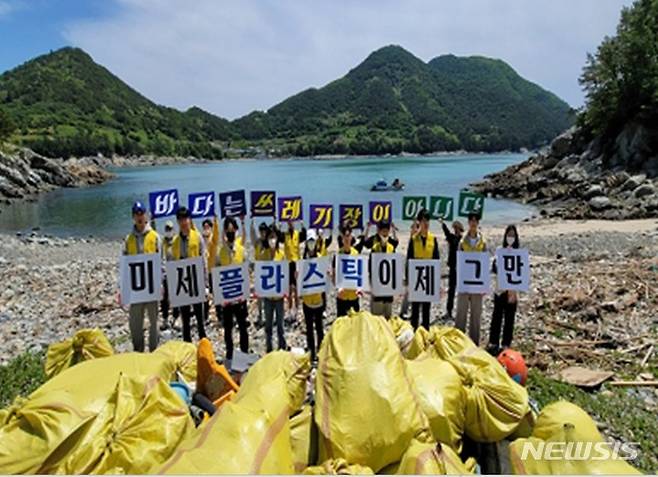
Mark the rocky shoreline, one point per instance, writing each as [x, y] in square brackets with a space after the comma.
[572, 180]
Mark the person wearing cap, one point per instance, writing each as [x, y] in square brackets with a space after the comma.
[142, 240]
[167, 255]
[291, 242]
[313, 305]
[231, 252]
[347, 299]
[188, 243]
[469, 305]
[259, 244]
[422, 245]
[453, 238]
[382, 242]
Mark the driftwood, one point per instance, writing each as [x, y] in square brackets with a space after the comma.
[652, 384]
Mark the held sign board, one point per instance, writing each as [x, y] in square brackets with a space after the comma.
[312, 276]
[163, 203]
[380, 211]
[141, 278]
[352, 272]
[412, 205]
[233, 204]
[321, 216]
[271, 278]
[513, 265]
[201, 204]
[186, 281]
[424, 280]
[473, 272]
[352, 214]
[230, 283]
[386, 273]
[263, 203]
[470, 202]
[290, 208]
[441, 207]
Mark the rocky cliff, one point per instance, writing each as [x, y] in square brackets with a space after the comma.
[24, 173]
[578, 179]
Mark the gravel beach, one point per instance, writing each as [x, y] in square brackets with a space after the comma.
[594, 283]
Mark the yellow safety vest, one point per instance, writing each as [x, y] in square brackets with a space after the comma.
[150, 243]
[236, 258]
[193, 245]
[465, 245]
[423, 251]
[323, 248]
[377, 247]
[260, 252]
[349, 294]
[277, 256]
[291, 245]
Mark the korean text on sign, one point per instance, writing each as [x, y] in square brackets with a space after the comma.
[271, 278]
[352, 215]
[513, 269]
[473, 272]
[290, 208]
[230, 283]
[186, 281]
[312, 276]
[263, 203]
[352, 272]
[201, 204]
[321, 216]
[163, 203]
[424, 280]
[141, 278]
[233, 204]
[386, 274]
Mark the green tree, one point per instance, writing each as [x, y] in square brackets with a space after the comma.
[621, 79]
[7, 125]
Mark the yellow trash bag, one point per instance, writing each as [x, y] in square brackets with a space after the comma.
[421, 344]
[367, 410]
[432, 458]
[403, 331]
[184, 355]
[338, 467]
[553, 417]
[567, 452]
[141, 425]
[449, 341]
[441, 397]
[495, 403]
[249, 437]
[295, 370]
[31, 428]
[525, 427]
[84, 345]
[303, 438]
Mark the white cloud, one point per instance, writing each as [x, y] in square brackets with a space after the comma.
[231, 57]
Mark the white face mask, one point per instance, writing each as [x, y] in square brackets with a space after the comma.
[509, 240]
[272, 242]
[383, 239]
[310, 244]
[169, 234]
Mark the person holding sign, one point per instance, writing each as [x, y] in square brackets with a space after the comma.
[473, 241]
[382, 242]
[313, 305]
[167, 254]
[142, 240]
[453, 238]
[505, 303]
[347, 299]
[231, 252]
[188, 243]
[259, 244]
[274, 305]
[292, 240]
[422, 245]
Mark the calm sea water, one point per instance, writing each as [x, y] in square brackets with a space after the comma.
[104, 211]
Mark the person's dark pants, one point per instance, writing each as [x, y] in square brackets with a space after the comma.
[313, 319]
[186, 313]
[343, 306]
[503, 313]
[452, 284]
[415, 312]
[164, 303]
[229, 314]
[274, 307]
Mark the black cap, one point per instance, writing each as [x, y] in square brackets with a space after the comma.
[474, 216]
[384, 224]
[183, 213]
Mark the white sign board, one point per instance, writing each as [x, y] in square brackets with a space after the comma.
[186, 282]
[352, 272]
[473, 272]
[312, 275]
[230, 283]
[513, 269]
[424, 280]
[387, 273]
[271, 278]
[141, 278]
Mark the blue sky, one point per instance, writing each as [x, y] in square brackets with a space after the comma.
[231, 57]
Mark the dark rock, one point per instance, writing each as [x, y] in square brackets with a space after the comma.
[644, 190]
[594, 191]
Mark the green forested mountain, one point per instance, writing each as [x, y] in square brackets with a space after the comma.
[394, 101]
[65, 104]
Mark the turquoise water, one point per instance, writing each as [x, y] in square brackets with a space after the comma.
[104, 211]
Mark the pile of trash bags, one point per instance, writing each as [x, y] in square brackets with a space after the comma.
[383, 399]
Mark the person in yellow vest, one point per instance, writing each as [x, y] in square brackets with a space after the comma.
[274, 305]
[232, 252]
[473, 241]
[188, 243]
[291, 242]
[259, 245]
[346, 299]
[141, 240]
[314, 304]
[382, 242]
[422, 245]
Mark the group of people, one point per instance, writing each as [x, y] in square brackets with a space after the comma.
[227, 245]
